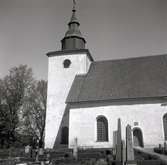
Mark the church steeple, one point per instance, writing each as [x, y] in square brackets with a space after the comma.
[73, 38]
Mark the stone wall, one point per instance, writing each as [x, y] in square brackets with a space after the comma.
[59, 83]
[148, 117]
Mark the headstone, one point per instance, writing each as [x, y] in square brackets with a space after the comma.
[123, 151]
[27, 149]
[129, 147]
[165, 146]
[129, 144]
[114, 142]
[36, 155]
[110, 156]
[75, 149]
[41, 151]
[114, 138]
[119, 142]
[42, 163]
[101, 161]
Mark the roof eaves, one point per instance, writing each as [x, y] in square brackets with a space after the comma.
[162, 98]
[68, 52]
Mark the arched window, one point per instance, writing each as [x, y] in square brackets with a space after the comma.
[102, 129]
[165, 125]
[66, 63]
[138, 137]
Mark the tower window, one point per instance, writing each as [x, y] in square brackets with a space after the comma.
[66, 63]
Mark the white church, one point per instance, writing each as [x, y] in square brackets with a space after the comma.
[85, 97]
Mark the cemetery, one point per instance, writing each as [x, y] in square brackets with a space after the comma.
[123, 152]
[88, 112]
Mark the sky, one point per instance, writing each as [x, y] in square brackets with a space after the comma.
[113, 29]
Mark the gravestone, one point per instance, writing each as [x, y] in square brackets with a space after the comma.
[123, 151]
[101, 162]
[36, 155]
[114, 142]
[119, 142]
[41, 155]
[129, 144]
[41, 151]
[75, 149]
[165, 146]
[114, 138]
[27, 149]
[129, 147]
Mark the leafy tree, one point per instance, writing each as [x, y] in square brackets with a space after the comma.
[15, 88]
[3, 130]
[35, 111]
[3, 117]
[22, 107]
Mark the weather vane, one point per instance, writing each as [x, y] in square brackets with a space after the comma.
[74, 4]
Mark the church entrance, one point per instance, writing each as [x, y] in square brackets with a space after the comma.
[64, 135]
[138, 137]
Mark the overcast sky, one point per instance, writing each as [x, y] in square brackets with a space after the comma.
[112, 28]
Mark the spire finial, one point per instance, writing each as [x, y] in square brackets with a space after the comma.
[74, 6]
[73, 38]
[73, 18]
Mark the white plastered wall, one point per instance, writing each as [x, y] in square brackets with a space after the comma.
[59, 83]
[149, 117]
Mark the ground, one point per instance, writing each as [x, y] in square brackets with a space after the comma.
[85, 157]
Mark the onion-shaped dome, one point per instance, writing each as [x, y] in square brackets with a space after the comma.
[73, 38]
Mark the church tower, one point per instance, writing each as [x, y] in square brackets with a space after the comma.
[73, 38]
[63, 66]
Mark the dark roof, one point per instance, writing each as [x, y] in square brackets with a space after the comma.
[121, 79]
[73, 38]
[69, 52]
[73, 30]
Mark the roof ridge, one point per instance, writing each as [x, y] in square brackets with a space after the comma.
[129, 58]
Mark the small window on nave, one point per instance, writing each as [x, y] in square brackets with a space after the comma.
[66, 63]
[102, 129]
[138, 137]
[165, 126]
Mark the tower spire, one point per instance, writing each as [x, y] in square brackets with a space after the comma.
[74, 6]
[73, 17]
[73, 38]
